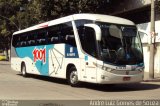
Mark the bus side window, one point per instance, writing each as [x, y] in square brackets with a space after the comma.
[23, 39]
[67, 35]
[31, 42]
[53, 35]
[18, 44]
[88, 40]
[23, 43]
[41, 38]
[31, 39]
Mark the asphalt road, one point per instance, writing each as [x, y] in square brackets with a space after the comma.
[15, 87]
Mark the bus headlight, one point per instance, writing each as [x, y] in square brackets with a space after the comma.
[104, 68]
[141, 69]
[107, 69]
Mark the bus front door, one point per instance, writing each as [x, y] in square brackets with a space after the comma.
[91, 70]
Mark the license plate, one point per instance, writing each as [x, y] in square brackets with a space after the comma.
[126, 78]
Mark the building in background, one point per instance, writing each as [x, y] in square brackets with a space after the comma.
[135, 10]
[144, 30]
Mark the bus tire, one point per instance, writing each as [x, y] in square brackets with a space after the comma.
[23, 70]
[73, 77]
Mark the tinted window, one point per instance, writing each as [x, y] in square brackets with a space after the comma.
[54, 35]
[41, 37]
[23, 39]
[61, 33]
[31, 39]
[87, 39]
[68, 35]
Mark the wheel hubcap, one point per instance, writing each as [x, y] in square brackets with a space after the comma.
[23, 71]
[73, 77]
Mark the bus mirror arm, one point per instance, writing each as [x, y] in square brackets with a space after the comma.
[97, 30]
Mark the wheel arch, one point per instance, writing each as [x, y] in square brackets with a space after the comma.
[22, 63]
[68, 69]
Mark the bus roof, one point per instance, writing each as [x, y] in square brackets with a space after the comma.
[94, 17]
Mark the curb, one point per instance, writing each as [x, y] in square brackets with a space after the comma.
[152, 80]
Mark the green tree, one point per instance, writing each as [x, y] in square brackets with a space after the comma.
[8, 25]
[20, 14]
[45, 10]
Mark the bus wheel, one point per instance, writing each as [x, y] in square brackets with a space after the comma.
[23, 70]
[73, 77]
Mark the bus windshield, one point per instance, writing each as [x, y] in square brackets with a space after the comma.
[120, 44]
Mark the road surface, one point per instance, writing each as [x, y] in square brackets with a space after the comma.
[15, 87]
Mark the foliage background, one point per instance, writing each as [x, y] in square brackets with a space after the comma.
[20, 14]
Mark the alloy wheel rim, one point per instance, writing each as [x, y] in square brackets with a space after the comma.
[73, 77]
[23, 71]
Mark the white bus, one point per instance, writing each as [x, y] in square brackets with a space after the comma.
[91, 48]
